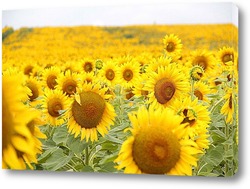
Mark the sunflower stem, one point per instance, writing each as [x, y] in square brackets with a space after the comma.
[227, 134]
[215, 106]
[192, 89]
[87, 155]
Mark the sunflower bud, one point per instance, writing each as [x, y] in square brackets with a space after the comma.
[196, 73]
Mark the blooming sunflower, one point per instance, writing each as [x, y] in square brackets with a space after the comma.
[173, 46]
[32, 125]
[129, 73]
[204, 59]
[86, 65]
[49, 77]
[157, 62]
[17, 140]
[166, 85]
[90, 112]
[228, 108]
[109, 73]
[157, 145]
[53, 103]
[28, 68]
[201, 90]
[226, 56]
[88, 77]
[197, 120]
[68, 82]
[35, 87]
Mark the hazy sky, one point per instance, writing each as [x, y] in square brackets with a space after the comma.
[171, 13]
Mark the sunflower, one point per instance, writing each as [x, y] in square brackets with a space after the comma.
[68, 82]
[226, 56]
[49, 77]
[28, 68]
[173, 46]
[17, 140]
[109, 73]
[204, 59]
[157, 62]
[197, 120]
[35, 87]
[55, 104]
[32, 125]
[228, 108]
[129, 73]
[157, 145]
[90, 112]
[86, 65]
[89, 77]
[166, 85]
[201, 90]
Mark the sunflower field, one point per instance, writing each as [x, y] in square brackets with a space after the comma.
[143, 99]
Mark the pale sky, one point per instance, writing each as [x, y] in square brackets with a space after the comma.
[171, 13]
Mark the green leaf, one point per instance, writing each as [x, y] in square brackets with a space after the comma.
[60, 135]
[87, 168]
[109, 158]
[57, 160]
[46, 154]
[108, 168]
[75, 144]
[215, 156]
[113, 139]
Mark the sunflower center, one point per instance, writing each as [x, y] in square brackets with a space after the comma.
[7, 123]
[127, 74]
[201, 61]
[54, 105]
[51, 81]
[34, 91]
[110, 74]
[189, 117]
[69, 87]
[227, 57]
[170, 47]
[155, 151]
[89, 113]
[28, 69]
[88, 67]
[164, 90]
[198, 94]
[129, 94]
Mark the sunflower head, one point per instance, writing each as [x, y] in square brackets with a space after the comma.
[129, 73]
[202, 58]
[55, 105]
[49, 76]
[68, 82]
[166, 85]
[87, 65]
[35, 88]
[226, 56]
[90, 112]
[173, 46]
[155, 147]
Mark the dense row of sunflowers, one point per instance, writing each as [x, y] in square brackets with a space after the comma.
[108, 99]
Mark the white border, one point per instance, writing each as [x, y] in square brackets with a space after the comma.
[31, 179]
